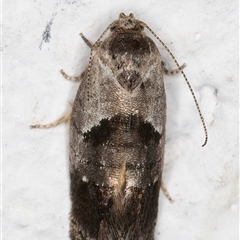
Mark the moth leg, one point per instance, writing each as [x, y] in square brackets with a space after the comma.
[86, 40]
[77, 78]
[173, 72]
[73, 79]
[92, 46]
[65, 118]
[165, 191]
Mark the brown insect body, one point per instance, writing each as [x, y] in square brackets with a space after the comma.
[117, 135]
[117, 138]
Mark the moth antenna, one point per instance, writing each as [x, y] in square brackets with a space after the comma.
[189, 86]
[91, 53]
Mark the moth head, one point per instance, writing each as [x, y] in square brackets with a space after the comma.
[127, 23]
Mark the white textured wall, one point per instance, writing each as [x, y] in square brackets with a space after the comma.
[202, 181]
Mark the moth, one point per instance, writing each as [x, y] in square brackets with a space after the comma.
[117, 135]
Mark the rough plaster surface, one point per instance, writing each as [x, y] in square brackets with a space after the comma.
[41, 37]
